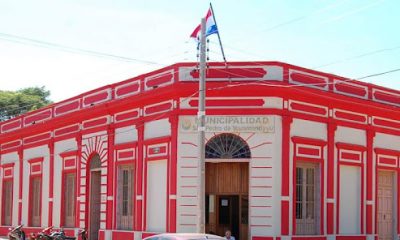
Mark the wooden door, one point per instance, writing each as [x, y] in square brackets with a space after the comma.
[94, 210]
[227, 178]
[7, 206]
[35, 201]
[69, 200]
[385, 205]
[227, 190]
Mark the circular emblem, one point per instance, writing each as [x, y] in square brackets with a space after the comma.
[186, 124]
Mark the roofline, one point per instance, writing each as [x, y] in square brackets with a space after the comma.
[175, 67]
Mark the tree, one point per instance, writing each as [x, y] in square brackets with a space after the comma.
[14, 103]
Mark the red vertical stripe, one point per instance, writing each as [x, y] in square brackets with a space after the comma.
[21, 158]
[78, 180]
[173, 172]
[139, 178]
[322, 196]
[51, 183]
[329, 218]
[330, 177]
[110, 177]
[369, 214]
[286, 121]
[285, 217]
[398, 201]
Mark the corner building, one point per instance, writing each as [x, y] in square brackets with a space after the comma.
[291, 153]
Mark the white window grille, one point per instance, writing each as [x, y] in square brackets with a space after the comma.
[227, 146]
[307, 199]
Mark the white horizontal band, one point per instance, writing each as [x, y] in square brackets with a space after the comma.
[285, 198]
[173, 196]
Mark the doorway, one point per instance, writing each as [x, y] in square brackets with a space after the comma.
[386, 206]
[94, 197]
[227, 198]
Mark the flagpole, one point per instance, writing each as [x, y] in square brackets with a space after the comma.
[201, 115]
[219, 37]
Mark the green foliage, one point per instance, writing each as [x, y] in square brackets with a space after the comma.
[14, 103]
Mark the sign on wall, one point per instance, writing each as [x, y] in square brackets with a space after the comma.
[257, 124]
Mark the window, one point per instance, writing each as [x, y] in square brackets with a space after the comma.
[35, 200]
[125, 198]
[7, 202]
[69, 200]
[350, 199]
[307, 199]
[156, 196]
[227, 146]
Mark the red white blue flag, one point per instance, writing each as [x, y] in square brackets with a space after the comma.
[211, 26]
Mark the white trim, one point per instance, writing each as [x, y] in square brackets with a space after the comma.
[285, 198]
[221, 160]
[172, 196]
[347, 82]
[67, 103]
[310, 105]
[107, 90]
[374, 90]
[118, 96]
[319, 86]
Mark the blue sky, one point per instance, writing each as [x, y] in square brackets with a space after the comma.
[346, 37]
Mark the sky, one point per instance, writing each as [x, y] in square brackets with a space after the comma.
[73, 46]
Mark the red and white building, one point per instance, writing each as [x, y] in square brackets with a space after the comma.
[291, 153]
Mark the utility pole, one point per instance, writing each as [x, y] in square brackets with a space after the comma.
[201, 115]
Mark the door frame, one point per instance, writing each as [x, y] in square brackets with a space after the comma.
[90, 197]
[216, 197]
[318, 194]
[395, 198]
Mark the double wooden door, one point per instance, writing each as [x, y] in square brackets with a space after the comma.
[227, 190]
[385, 205]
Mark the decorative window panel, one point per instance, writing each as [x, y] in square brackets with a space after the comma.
[125, 190]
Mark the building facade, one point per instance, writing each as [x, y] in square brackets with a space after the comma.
[291, 153]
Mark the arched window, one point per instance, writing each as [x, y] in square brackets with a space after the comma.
[227, 145]
[95, 162]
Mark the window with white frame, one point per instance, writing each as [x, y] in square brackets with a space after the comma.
[307, 199]
[125, 198]
[7, 202]
[69, 199]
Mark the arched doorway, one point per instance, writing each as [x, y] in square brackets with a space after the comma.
[94, 197]
[227, 185]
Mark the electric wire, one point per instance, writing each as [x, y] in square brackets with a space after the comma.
[154, 118]
[50, 45]
[265, 82]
